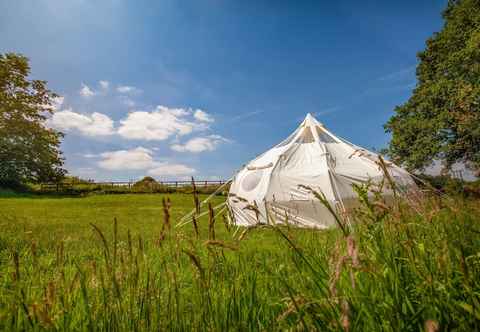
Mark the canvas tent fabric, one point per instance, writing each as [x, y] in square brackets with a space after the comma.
[311, 156]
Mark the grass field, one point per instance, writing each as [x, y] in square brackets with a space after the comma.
[406, 267]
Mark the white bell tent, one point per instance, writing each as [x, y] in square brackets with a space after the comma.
[310, 156]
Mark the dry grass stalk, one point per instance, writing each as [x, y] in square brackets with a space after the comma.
[33, 249]
[221, 244]
[231, 216]
[241, 199]
[115, 241]
[166, 222]
[211, 222]
[385, 171]
[225, 222]
[352, 251]
[292, 304]
[196, 201]
[73, 284]
[195, 226]
[381, 205]
[50, 295]
[256, 210]
[253, 207]
[60, 254]
[16, 264]
[323, 199]
[41, 314]
[336, 276]
[140, 251]
[166, 213]
[130, 246]
[106, 250]
[93, 281]
[345, 315]
[196, 262]
[244, 233]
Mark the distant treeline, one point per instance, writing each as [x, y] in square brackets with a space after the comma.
[78, 186]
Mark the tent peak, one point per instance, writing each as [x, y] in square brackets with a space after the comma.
[311, 121]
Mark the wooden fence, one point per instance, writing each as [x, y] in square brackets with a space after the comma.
[115, 184]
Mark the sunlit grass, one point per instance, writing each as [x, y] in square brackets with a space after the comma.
[400, 268]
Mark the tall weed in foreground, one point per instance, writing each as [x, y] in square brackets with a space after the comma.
[412, 265]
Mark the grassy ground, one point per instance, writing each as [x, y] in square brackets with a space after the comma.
[50, 219]
[405, 267]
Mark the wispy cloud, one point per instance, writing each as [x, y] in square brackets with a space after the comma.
[398, 75]
[127, 89]
[326, 111]
[244, 116]
[381, 90]
[320, 113]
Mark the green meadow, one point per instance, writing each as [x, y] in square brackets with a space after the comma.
[118, 263]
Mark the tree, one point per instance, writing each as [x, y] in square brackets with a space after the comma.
[441, 120]
[29, 151]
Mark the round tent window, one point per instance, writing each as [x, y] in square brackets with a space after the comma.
[251, 180]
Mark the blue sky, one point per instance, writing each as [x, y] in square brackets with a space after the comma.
[174, 88]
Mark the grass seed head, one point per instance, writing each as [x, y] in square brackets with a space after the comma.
[431, 325]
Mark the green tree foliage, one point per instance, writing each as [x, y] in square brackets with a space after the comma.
[28, 150]
[441, 120]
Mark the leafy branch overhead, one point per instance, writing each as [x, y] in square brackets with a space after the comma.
[441, 120]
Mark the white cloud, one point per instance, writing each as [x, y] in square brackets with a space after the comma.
[138, 158]
[159, 124]
[95, 124]
[126, 89]
[167, 169]
[104, 84]
[200, 144]
[56, 103]
[202, 116]
[86, 92]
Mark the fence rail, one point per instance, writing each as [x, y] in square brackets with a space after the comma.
[51, 186]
